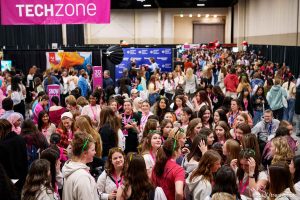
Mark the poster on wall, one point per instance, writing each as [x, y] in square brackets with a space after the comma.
[162, 56]
[29, 12]
[78, 60]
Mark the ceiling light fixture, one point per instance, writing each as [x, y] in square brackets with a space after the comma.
[207, 15]
[199, 15]
[181, 15]
[215, 16]
[147, 5]
[200, 4]
[190, 15]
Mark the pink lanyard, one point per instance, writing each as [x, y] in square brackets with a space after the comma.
[243, 186]
[126, 120]
[145, 118]
[151, 154]
[117, 182]
[93, 112]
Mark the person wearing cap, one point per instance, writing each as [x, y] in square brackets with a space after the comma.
[66, 129]
[134, 94]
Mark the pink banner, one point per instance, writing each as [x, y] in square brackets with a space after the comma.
[97, 76]
[25, 12]
[53, 90]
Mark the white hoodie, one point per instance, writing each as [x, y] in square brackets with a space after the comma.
[199, 188]
[78, 182]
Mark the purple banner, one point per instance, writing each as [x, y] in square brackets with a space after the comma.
[53, 90]
[25, 12]
[97, 76]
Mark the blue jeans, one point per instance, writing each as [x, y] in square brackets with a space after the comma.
[257, 116]
[289, 111]
[152, 98]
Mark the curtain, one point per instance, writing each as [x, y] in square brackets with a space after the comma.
[30, 37]
[75, 35]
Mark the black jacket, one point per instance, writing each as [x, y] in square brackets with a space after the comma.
[13, 157]
[108, 139]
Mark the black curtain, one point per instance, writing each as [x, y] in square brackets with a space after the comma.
[30, 37]
[75, 35]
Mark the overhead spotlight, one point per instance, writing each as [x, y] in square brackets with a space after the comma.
[147, 5]
[215, 16]
[200, 4]
[207, 15]
[199, 15]
[190, 15]
[181, 15]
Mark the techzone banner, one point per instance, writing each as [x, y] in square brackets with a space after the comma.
[28, 12]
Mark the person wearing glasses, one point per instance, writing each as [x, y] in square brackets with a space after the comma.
[112, 177]
[78, 182]
[249, 174]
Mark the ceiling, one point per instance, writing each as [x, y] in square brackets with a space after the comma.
[139, 4]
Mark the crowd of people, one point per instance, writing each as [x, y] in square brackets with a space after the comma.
[220, 126]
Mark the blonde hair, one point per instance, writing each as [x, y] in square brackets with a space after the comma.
[71, 100]
[177, 134]
[84, 125]
[222, 196]
[82, 101]
[189, 73]
[283, 151]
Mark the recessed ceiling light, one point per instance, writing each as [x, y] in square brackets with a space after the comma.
[181, 15]
[190, 15]
[147, 5]
[207, 15]
[199, 15]
[200, 4]
[215, 16]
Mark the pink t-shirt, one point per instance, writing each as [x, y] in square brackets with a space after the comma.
[172, 173]
[38, 108]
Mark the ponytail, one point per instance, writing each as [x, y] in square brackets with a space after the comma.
[164, 154]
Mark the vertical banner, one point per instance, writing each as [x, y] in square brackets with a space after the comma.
[97, 76]
[53, 90]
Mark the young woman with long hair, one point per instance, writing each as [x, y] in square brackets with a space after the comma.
[145, 114]
[92, 110]
[152, 124]
[295, 172]
[241, 130]
[38, 182]
[169, 86]
[149, 149]
[113, 176]
[280, 150]
[190, 82]
[186, 117]
[170, 116]
[161, 107]
[52, 155]
[45, 126]
[191, 160]
[78, 182]
[110, 131]
[225, 183]
[281, 182]
[192, 130]
[199, 182]
[66, 129]
[179, 104]
[259, 104]
[17, 92]
[222, 132]
[166, 173]
[249, 174]
[246, 102]
[205, 114]
[166, 126]
[136, 184]
[55, 111]
[41, 105]
[249, 141]
[153, 90]
[83, 125]
[217, 97]
[219, 115]
[201, 99]
[231, 150]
